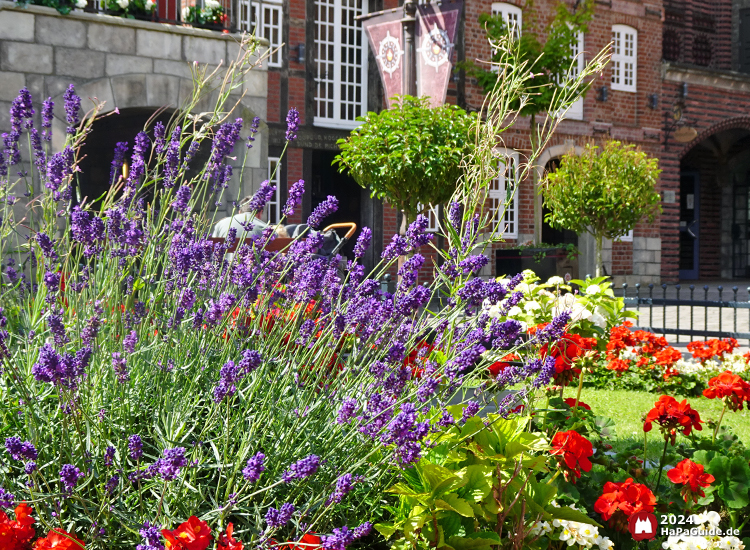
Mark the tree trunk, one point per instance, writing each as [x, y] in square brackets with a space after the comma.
[598, 255]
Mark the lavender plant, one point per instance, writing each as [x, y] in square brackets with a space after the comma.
[147, 376]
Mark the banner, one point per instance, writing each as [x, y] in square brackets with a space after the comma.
[386, 40]
[436, 30]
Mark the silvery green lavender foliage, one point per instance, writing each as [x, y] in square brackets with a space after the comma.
[157, 378]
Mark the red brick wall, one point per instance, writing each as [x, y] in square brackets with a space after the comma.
[696, 23]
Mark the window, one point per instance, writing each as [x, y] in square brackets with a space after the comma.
[340, 63]
[432, 218]
[273, 207]
[628, 238]
[624, 58]
[264, 19]
[503, 195]
[512, 16]
[578, 63]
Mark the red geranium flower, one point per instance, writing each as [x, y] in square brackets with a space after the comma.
[667, 357]
[621, 500]
[17, 534]
[417, 358]
[58, 539]
[194, 534]
[228, 542]
[672, 416]
[571, 402]
[565, 351]
[730, 388]
[574, 451]
[691, 475]
[499, 366]
[309, 541]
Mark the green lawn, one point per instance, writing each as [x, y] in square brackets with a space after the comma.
[627, 408]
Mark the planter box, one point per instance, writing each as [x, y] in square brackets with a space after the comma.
[545, 262]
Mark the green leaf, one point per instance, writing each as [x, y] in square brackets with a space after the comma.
[479, 478]
[569, 514]
[475, 541]
[439, 479]
[454, 503]
[732, 476]
[386, 529]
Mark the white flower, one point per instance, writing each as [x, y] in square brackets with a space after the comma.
[592, 290]
[212, 4]
[123, 4]
[603, 543]
[555, 281]
[515, 310]
[713, 518]
[185, 13]
[81, 4]
[150, 5]
[531, 306]
[524, 287]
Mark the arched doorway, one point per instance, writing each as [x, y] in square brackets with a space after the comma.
[714, 223]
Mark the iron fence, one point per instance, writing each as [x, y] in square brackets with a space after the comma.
[674, 310]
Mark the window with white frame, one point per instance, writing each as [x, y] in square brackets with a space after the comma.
[273, 207]
[578, 63]
[264, 19]
[503, 194]
[340, 63]
[432, 214]
[512, 16]
[624, 58]
[627, 238]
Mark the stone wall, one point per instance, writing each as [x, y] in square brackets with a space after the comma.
[125, 63]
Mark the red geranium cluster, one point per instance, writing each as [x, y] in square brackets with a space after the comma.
[499, 366]
[619, 501]
[730, 388]
[703, 351]
[692, 476]
[652, 351]
[571, 402]
[17, 534]
[672, 416]
[573, 452]
[565, 351]
[57, 539]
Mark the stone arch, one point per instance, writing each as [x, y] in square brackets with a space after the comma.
[155, 91]
[742, 122]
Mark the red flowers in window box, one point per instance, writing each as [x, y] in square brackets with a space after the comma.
[228, 542]
[57, 539]
[573, 451]
[730, 388]
[621, 500]
[17, 534]
[194, 534]
[672, 416]
[692, 476]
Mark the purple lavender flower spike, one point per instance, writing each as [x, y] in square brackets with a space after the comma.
[121, 150]
[181, 201]
[344, 485]
[292, 124]
[302, 468]
[135, 446]
[253, 130]
[416, 233]
[322, 211]
[69, 476]
[265, 193]
[22, 110]
[169, 466]
[397, 247]
[279, 518]
[47, 108]
[52, 281]
[363, 242]
[294, 197]
[363, 530]
[455, 214]
[159, 137]
[20, 450]
[120, 367]
[339, 540]
[172, 159]
[471, 409]
[7, 499]
[72, 106]
[348, 410]
[152, 538]
[253, 469]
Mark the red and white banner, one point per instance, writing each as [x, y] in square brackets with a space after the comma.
[437, 24]
[386, 40]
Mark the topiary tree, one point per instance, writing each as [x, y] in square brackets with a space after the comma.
[604, 193]
[409, 155]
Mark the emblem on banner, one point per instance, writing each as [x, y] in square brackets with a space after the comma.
[389, 53]
[436, 47]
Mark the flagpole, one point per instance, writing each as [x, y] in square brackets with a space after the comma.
[409, 84]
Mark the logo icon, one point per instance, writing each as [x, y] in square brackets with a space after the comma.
[389, 53]
[436, 47]
[642, 525]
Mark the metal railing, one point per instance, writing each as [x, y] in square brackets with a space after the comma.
[678, 308]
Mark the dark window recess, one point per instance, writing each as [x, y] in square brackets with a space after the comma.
[670, 45]
[674, 16]
[702, 51]
[704, 22]
[744, 40]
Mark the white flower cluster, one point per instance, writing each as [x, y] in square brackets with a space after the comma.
[701, 537]
[211, 4]
[573, 532]
[733, 362]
